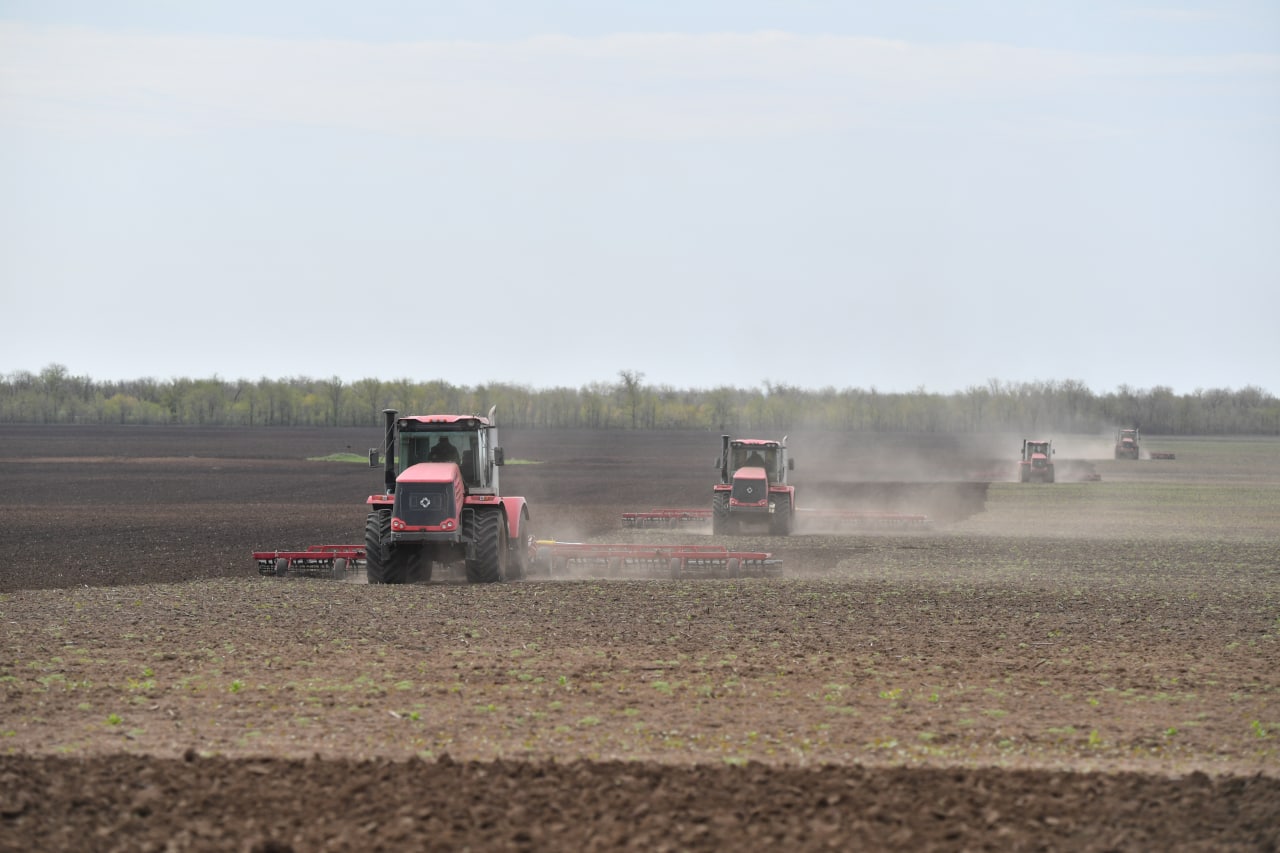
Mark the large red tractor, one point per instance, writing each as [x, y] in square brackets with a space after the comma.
[753, 488]
[442, 504]
[1036, 464]
[1127, 444]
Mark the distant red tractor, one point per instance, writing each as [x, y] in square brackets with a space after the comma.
[1127, 444]
[1036, 464]
[753, 489]
[442, 504]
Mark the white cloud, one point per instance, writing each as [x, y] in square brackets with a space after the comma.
[558, 87]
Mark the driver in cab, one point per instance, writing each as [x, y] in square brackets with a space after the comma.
[444, 451]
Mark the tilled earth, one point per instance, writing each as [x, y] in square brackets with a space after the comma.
[1085, 666]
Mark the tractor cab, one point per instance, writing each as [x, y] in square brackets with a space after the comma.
[756, 453]
[462, 448]
[464, 440]
[1036, 464]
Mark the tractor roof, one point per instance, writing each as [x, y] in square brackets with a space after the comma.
[458, 422]
[755, 442]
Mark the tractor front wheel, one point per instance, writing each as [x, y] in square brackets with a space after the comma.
[780, 523]
[488, 531]
[377, 527]
[720, 513]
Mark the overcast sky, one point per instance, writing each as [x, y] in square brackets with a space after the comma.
[895, 194]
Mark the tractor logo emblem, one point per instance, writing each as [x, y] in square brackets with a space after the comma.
[751, 490]
[425, 503]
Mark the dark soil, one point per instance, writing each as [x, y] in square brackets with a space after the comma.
[981, 683]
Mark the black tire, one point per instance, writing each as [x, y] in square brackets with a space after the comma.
[780, 523]
[339, 570]
[519, 560]
[1048, 478]
[421, 570]
[404, 565]
[377, 529]
[720, 513]
[488, 530]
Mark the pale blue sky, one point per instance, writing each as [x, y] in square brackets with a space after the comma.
[887, 194]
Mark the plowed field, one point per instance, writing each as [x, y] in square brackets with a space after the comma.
[1089, 665]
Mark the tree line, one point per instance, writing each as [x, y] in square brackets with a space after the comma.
[55, 396]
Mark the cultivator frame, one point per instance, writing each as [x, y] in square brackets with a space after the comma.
[674, 561]
[318, 561]
[862, 519]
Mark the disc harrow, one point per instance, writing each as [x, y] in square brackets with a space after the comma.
[318, 561]
[674, 561]
[667, 518]
[672, 518]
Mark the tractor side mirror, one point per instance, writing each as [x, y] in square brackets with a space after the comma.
[791, 464]
[499, 458]
[373, 457]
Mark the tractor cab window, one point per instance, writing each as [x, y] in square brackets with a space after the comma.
[461, 448]
[755, 457]
[473, 472]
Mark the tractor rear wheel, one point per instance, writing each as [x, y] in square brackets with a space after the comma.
[521, 545]
[720, 513]
[780, 523]
[377, 527]
[488, 531]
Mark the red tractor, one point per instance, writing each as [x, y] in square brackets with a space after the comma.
[1127, 444]
[1036, 464]
[753, 488]
[442, 503]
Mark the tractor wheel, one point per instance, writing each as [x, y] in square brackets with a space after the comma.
[339, 570]
[405, 565]
[520, 559]
[420, 571]
[720, 513]
[1048, 477]
[377, 526]
[488, 530]
[780, 524]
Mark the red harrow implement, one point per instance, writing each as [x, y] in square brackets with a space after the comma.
[667, 518]
[673, 561]
[318, 561]
[812, 518]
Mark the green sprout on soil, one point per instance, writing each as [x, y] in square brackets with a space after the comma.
[1260, 730]
[237, 686]
[114, 719]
